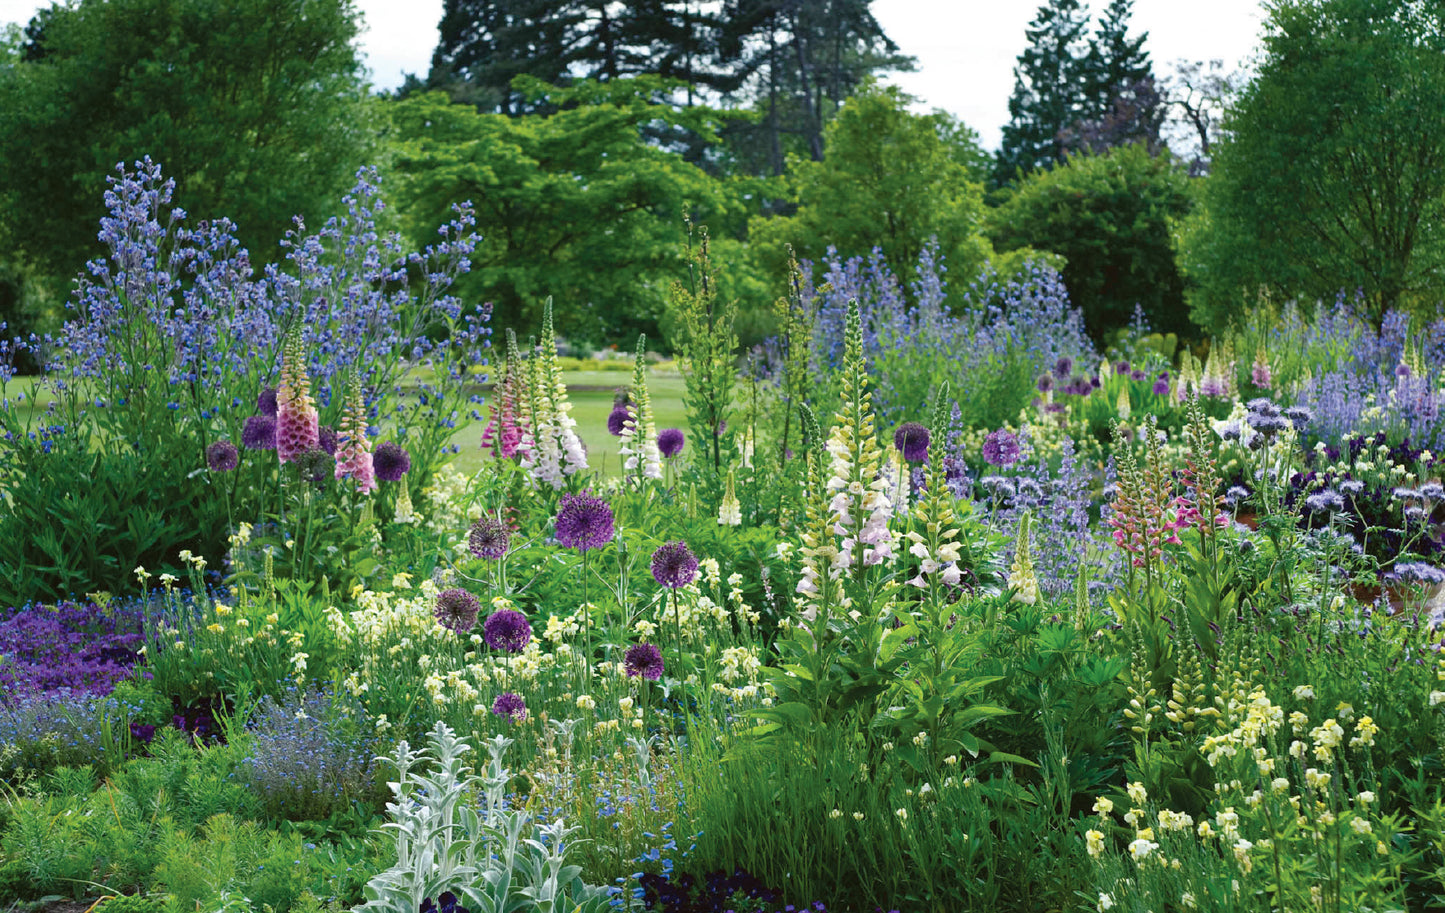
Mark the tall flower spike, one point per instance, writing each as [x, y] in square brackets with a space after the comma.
[554, 450]
[860, 504]
[933, 536]
[1021, 577]
[353, 457]
[820, 548]
[731, 511]
[298, 427]
[641, 458]
[503, 433]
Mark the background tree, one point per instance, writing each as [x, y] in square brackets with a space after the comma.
[256, 107]
[889, 180]
[803, 58]
[1112, 217]
[575, 204]
[485, 44]
[1047, 98]
[1197, 94]
[1075, 93]
[1331, 175]
[1119, 88]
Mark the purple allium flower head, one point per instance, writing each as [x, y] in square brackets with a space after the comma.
[674, 565]
[1046, 383]
[326, 439]
[1001, 448]
[390, 461]
[670, 442]
[912, 439]
[489, 538]
[510, 705]
[266, 402]
[1161, 387]
[457, 610]
[1138, 375]
[617, 419]
[507, 630]
[584, 521]
[316, 466]
[1063, 367]
[259, 433]
[1121, 368]
[644, 660]
[222, 456]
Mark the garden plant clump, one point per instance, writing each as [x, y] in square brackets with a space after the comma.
[933, 602]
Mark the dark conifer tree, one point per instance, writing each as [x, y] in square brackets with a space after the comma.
[1048, 94]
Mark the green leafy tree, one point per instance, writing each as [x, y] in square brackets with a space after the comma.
[575, 204]
[256, 107]
[1331, 173]
[890, 180]
[1112, 218]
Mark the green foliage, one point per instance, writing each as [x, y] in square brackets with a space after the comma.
[890, 180]
[706, 343]
[1331, 176]
[78, 517]
[256, 108]
[575, 204]
[1112, 217]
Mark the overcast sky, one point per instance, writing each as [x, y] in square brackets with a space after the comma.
[966, 49]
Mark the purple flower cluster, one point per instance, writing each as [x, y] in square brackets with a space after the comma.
[390, 461]
[507, 630]
[1001, 448]
[489, 538]
[674, 565]
[222, 456]
[80, 648]
[308, 755]
[457, 610]
[670, 442]
[911, 439]
[510, 706]
[584, 521]
[992, 337]
[643, 660]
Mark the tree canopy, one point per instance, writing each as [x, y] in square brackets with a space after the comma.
[890, 179]
[1112, 217]
[256, 107]
[1331, 174]
[574, 204]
